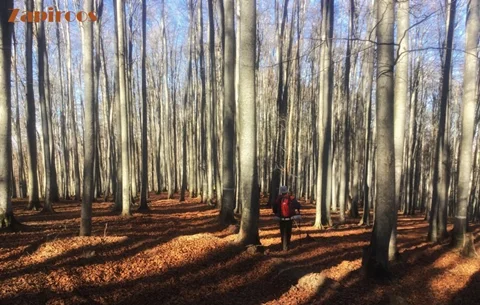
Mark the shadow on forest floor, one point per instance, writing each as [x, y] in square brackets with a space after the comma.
[177, 253]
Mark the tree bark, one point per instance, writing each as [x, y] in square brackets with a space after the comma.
[323, 194]
[377, 260]
[73, 125]
[468, 121]
[144, 190]
[123, 110]
[7, 219]
[247, 115]
[400, 104]
[33, 199]
[278, 164]
[438, 225]
[367, 84]
[228, 198]
[89, 125]
[41, 47]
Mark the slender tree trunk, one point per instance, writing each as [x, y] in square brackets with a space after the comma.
[247, 115]
[21, 171]
[345, 165]
[438, 225]
[385, 206]
[54, 194]
[7, 220]
[123, 111]
[228, 198]
[33, 200]
[323, 194]
[468, 121]
[185, 103]
[367, 99]
[400, 104]
[41, 47]
[278, 164]
[73, 125]
[143, 193]
[89, 125]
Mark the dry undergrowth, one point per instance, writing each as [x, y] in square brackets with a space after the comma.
[177, 254]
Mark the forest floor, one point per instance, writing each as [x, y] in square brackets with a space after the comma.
[177, 254]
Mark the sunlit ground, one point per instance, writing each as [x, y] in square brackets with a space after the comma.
[178, 254]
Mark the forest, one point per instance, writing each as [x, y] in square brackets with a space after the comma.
[148, 149]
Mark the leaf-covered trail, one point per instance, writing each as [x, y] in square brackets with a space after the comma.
[177, 254]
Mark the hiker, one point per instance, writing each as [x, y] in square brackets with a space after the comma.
[285, 207]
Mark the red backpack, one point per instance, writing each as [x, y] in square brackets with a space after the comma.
[285, 210]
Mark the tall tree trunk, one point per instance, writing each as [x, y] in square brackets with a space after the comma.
[211, 100]
[89, 125]
[63, 125]
[438, 225]
[323, 194]
[123, 110]
[367, 84]
[345, 166]
[278, 164]
[385, 207]
[33, 200]
[247, 117]
[7, 220]
[203, 107]
[54, 194]
[118, 185]
[166, 91]
[21, 171]
[73, 124]
[468, 121]
[41, 47]
[228, 197]
[143, 193]
[400, 104]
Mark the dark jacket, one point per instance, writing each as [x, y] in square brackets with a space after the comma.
[293, 204]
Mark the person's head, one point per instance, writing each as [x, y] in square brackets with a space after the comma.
[283, 190]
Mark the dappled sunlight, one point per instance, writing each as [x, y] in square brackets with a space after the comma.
[451, 265]
[180, 251]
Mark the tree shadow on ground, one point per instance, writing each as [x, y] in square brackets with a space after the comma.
[414, 271]
[470, 294]
[225, 274]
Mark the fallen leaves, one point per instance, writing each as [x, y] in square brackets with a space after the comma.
[177, 253]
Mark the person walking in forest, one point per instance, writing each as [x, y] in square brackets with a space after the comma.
[285, 208]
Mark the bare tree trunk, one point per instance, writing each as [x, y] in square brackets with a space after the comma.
[323, 195]
[89, 128]
[123, 111]
[468, 121]
[278, 164]
[228, 198]
[209, 114]
[166, 91]
[203, 107]
[438, 225]
[54, 195]
[367, 84]
[400, 104]
[21, 171]
[248, 124]
[41, 46]
[144, 190]
[73, 125]
[185, 164]
[377, 258]
[7, 220]
[33, 200]
[345, 165]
